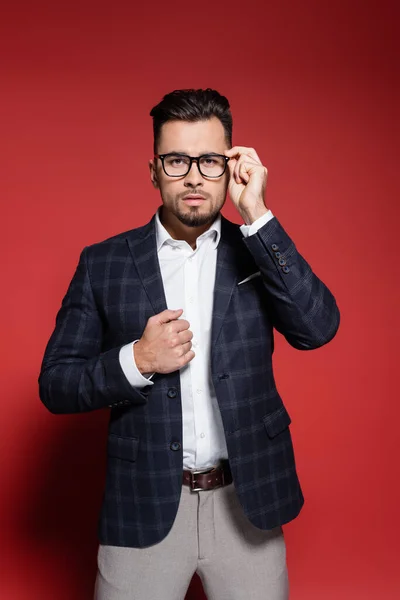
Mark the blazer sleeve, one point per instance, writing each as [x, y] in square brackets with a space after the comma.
[76, 376]
[303, 309]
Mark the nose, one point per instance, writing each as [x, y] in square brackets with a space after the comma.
[194, 177]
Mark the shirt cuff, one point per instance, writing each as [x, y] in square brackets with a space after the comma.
[128, 365]
[258, 223]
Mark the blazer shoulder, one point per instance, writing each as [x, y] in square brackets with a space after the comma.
[117, 241]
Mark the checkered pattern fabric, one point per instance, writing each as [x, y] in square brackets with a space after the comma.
[117, 286]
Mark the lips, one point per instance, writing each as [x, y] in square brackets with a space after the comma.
[194, 200]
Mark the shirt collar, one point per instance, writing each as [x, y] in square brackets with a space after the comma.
[162, 235]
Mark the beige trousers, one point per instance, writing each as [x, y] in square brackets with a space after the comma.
[210, 536]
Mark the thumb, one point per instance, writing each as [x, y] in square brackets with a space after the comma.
[231, 165]
[169, 315]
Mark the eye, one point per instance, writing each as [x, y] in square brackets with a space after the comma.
[176, 161]
[212, 161]
[209, 161]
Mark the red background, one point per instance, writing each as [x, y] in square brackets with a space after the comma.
[313, 88]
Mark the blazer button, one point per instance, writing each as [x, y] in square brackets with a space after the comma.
[175, 446]
[275, 247]
[282, 261]
[172, 392]
[285, 269]
[223, 376]
[277, 254]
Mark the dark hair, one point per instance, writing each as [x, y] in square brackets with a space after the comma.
[192, 105]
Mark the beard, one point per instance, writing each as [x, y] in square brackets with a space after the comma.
[194, 218]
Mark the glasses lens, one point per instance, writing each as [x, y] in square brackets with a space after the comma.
[212, 165]
[176, 164]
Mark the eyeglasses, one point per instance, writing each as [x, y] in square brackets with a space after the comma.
[178, 165]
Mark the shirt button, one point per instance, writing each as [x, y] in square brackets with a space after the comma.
[191, 299]
[194, 344]
[198, 391]
[202, 435]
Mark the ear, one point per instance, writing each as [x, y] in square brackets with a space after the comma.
[153, 173]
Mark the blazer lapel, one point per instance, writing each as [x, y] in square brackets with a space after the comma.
[144, 253]
[226, 276]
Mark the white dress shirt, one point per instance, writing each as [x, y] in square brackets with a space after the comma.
[188, 277]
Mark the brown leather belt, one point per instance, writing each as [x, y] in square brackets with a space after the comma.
[208, 479]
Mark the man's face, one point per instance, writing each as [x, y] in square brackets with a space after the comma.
[193, 139]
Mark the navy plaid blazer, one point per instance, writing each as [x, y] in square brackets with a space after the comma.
[116, 287]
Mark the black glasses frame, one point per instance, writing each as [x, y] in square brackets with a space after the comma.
[192, 159]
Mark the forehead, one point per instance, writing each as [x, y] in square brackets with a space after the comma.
[192, 137]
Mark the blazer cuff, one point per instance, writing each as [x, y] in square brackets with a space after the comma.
[258, 223]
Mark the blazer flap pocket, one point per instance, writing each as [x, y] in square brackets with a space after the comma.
[277, 421]
[122, 447]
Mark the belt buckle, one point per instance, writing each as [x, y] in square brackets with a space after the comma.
[200, 471]
[197, 472]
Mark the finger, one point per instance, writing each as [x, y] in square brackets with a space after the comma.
[235, 169]
[244, 151]
[239, 150]
[185, 348]
[180, 325]
[248, 159]
[185, 336]
[243, 173]
[236, 172]
[239, 169]
[231, 166]
[168, 315]
[187, 357]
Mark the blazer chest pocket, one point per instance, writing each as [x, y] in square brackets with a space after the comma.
[277, 421]
[250, 277]
[125, 448]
